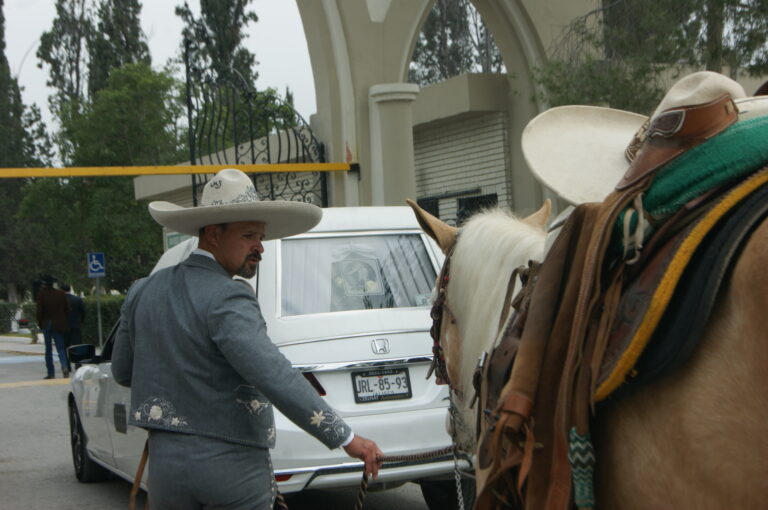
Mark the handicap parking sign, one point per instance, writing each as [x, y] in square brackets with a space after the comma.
[96, 265]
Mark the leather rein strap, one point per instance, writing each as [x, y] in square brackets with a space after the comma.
[438, 366]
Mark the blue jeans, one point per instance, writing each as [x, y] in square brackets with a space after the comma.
[50, 334]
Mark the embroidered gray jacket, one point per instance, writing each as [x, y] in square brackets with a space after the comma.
[192, 345]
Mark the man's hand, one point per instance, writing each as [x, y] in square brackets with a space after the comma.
[367, 451]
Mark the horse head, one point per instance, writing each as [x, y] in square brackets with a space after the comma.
[482, 257]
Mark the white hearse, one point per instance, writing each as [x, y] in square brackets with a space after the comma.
[348, 303]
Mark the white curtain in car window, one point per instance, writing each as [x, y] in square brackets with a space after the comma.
[407, 269]
[308, 273]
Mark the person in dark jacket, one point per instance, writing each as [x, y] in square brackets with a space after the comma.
[76, 317]
[53, 319]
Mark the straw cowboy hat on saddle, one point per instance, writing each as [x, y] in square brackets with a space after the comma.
[231, 197]
[596, 145]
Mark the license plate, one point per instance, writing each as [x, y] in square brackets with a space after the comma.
[383, 384]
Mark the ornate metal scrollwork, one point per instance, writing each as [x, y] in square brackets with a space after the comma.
[230, 122]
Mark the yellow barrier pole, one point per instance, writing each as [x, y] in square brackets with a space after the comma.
[106, 171]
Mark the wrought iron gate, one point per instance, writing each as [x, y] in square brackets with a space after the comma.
[232, 123]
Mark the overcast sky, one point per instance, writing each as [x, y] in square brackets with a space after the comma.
[277, 40]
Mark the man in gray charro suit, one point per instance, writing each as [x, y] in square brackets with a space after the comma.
[192, 345]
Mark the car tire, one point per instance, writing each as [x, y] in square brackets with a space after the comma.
[86, 470]
[441, 494]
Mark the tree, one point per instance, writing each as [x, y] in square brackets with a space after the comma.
[118, 40]
[131, 121]
[623, 53]
[216, 38]
[63, 49]
[127, 115]
[453, 40]
[228, 110]
[23, 142]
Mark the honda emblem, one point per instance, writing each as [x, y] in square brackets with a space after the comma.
[380, 346]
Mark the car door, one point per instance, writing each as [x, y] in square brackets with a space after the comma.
[91, 386]
[127, 441]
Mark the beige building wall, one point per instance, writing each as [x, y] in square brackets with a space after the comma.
[358, 46]
[460, 158]
[462, 142]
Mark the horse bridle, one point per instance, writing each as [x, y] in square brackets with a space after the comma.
[439, 366]
[437, 314]
[439, 307]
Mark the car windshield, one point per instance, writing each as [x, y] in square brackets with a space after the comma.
[332, 274]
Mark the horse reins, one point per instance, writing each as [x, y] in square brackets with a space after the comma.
[362, 491]
[439, 307]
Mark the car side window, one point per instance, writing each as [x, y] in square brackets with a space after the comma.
[106, 352]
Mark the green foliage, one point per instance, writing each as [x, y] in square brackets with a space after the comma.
[216, 38]
[453, 40]
[7, 311]
[65, 220]
[621, 84]
[23, 142]
[62, 49]
[110, 313]
[28, 311]
[221, 71]
[132, 121]
[118, 40]
[624, 54]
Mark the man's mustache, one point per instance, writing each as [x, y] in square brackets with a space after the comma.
[255, 256]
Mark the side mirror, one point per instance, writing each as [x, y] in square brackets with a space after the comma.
[81, 353]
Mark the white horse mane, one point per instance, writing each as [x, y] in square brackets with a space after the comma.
[490, 247]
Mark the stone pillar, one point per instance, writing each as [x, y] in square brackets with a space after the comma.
[393, 178]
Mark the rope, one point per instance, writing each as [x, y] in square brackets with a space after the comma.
[280, 503]
[361, 492]
[417, 456]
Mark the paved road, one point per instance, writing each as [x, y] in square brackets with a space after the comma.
[35, 461]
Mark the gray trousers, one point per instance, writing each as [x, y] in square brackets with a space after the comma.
[188, 472]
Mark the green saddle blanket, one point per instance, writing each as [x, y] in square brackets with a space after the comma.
[736, 153]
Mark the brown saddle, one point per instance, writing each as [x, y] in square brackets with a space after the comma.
[690, 293]
[565, 340]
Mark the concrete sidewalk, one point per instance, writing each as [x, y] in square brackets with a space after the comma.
[22, 345]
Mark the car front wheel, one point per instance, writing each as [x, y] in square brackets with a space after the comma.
[86, 470]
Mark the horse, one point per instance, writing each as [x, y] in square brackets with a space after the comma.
[693, 439]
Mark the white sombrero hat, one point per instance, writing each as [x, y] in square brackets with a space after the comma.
[230, 197]
[579, 151]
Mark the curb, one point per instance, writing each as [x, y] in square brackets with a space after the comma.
[28, 384]
[23, 353]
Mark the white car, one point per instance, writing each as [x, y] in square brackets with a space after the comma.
[348, 303]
